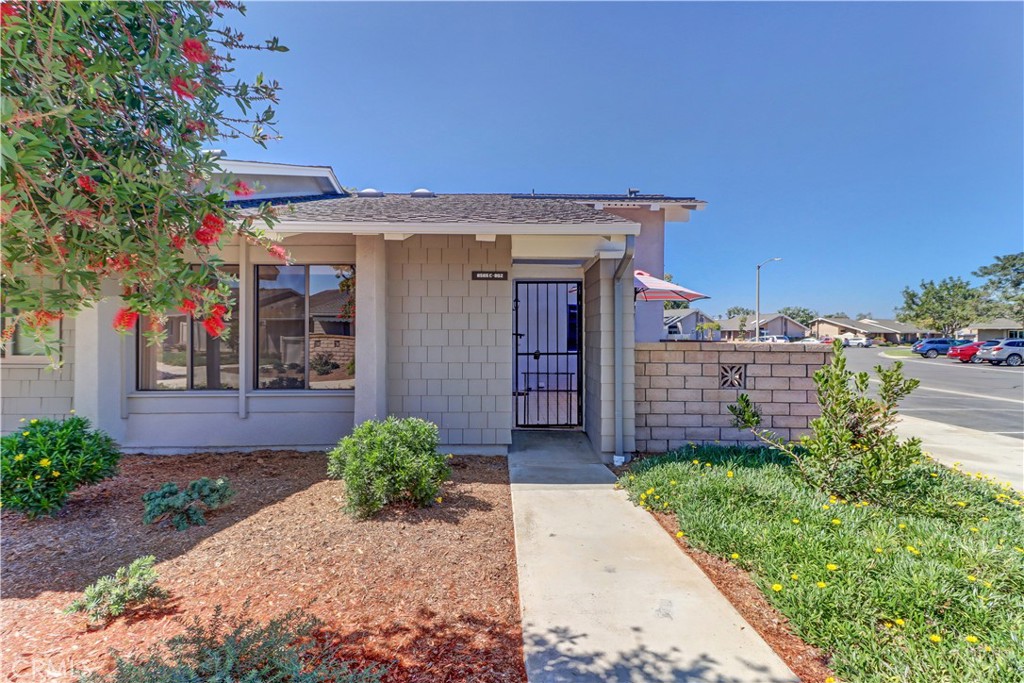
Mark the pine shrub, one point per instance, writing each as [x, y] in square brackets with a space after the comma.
[185, 508]
[110, 596]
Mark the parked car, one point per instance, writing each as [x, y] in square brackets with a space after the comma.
[1009, 351]
[774, 339]
[809, 340]
[968, 353]
[863, 342]
[826, 340]
[933, 348]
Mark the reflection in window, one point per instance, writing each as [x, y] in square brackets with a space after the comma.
[305, 327]
[188, 358]
[23, 342]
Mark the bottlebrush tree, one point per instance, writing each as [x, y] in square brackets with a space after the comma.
[107, 109]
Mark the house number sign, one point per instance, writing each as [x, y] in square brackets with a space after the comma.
[490, 274]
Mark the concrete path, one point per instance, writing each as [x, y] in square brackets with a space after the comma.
[606, 594]
[993, 454]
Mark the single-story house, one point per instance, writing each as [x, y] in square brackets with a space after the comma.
[892, 331]
[741, 328]
[481, 312]
[681, 323]
[997, 328]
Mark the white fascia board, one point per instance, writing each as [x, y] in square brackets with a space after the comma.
[361, 228]
[266, 168]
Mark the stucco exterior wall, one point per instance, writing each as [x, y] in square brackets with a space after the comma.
[680, 397]
[649, 257]
[450, 339]
[33, 389]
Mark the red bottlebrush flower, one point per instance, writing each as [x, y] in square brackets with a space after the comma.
[178, 241]
[87, 184]
[125, 319]
[219, 311]
[119, 263]
[195, 126]
[277, 251]
[42, 318]
[81, 217]
[8, 11]
[188, 307]
[214, 326]
[183, 88]
[211, 229]
[195, 51]
[242, 189]
[8, 333]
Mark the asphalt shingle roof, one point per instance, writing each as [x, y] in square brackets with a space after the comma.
[443, 208]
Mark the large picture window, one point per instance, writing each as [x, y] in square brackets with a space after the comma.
[188, 357]
[305, 327]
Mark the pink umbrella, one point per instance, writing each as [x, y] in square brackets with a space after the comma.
[649, 288]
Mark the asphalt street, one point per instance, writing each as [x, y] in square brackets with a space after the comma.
[982, 397]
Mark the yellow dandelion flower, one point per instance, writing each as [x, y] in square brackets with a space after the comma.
[650, 491]
[902, 525]
[824, 507]
[796, 521]
[1018, 549]
[707, 464]
[987, 584]
[971, 639]
[56, 473]
[972, 578]
[632, 477]
[836, 522]
[961, 503]
[887, 624]
[438, 500]
[696, 462]
[878, 550]
[19, 457]
[988, 648]
[45, 462]
[673, 482]
[729, 474]
[679, 534]
[830, 679]
[795, 577]
[776, 587]
[821, 584]
[831, 567]
[935, 638]
[975, 529]
[899, 622]
[911, 549]
[934, 475]
[735, 556]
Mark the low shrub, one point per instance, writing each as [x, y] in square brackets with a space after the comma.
[853, 450]
[389, 461]
[185, 508]
[932, 592]
[110, 596]
[43, 462]
[285, 650]
[322, 363]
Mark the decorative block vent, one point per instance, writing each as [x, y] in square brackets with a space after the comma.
[732, 376]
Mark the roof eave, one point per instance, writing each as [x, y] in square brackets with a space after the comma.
[439, 228]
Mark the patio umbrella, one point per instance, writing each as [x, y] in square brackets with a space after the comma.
[646, 287]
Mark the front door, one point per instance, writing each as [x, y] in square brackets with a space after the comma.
[548, 338]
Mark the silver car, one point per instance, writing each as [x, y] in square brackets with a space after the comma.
[1009, 351]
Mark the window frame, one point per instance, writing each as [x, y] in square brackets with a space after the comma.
[8, 358]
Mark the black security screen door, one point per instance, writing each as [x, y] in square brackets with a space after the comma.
[549, 353]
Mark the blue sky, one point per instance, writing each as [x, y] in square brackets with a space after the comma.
[870, 145]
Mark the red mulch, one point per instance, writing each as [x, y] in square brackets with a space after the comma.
[432, 592]
[806, 661]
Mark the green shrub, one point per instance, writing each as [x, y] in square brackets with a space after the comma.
[184, 508]
[322, 363]
[853, 450]
[390, 461]
[43, 462]
[110, 596]
[285, 650]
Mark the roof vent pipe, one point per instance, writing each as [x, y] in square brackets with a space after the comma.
[633, 191]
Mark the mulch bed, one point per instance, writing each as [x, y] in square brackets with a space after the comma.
[432, 593]
[806, 661]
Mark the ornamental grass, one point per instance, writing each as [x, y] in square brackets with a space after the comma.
[926, 589]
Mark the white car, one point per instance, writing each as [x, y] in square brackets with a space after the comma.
[863, 342]
[774, 339]
[809, 340]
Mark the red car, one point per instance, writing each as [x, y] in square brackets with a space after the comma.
[965, 353]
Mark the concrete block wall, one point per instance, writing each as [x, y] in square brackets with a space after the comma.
[34, 389]
[450, 338]
[679, 397]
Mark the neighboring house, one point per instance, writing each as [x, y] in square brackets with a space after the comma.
[450, 325]
[999, 328]
[891, 330]
[681, 323]
[772, 324]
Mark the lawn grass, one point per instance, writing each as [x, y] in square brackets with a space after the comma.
[931, 592]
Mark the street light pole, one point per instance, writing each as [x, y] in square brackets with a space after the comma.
[757, 298]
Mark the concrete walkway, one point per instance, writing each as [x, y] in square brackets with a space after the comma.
[606, 594]
[998, 456]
